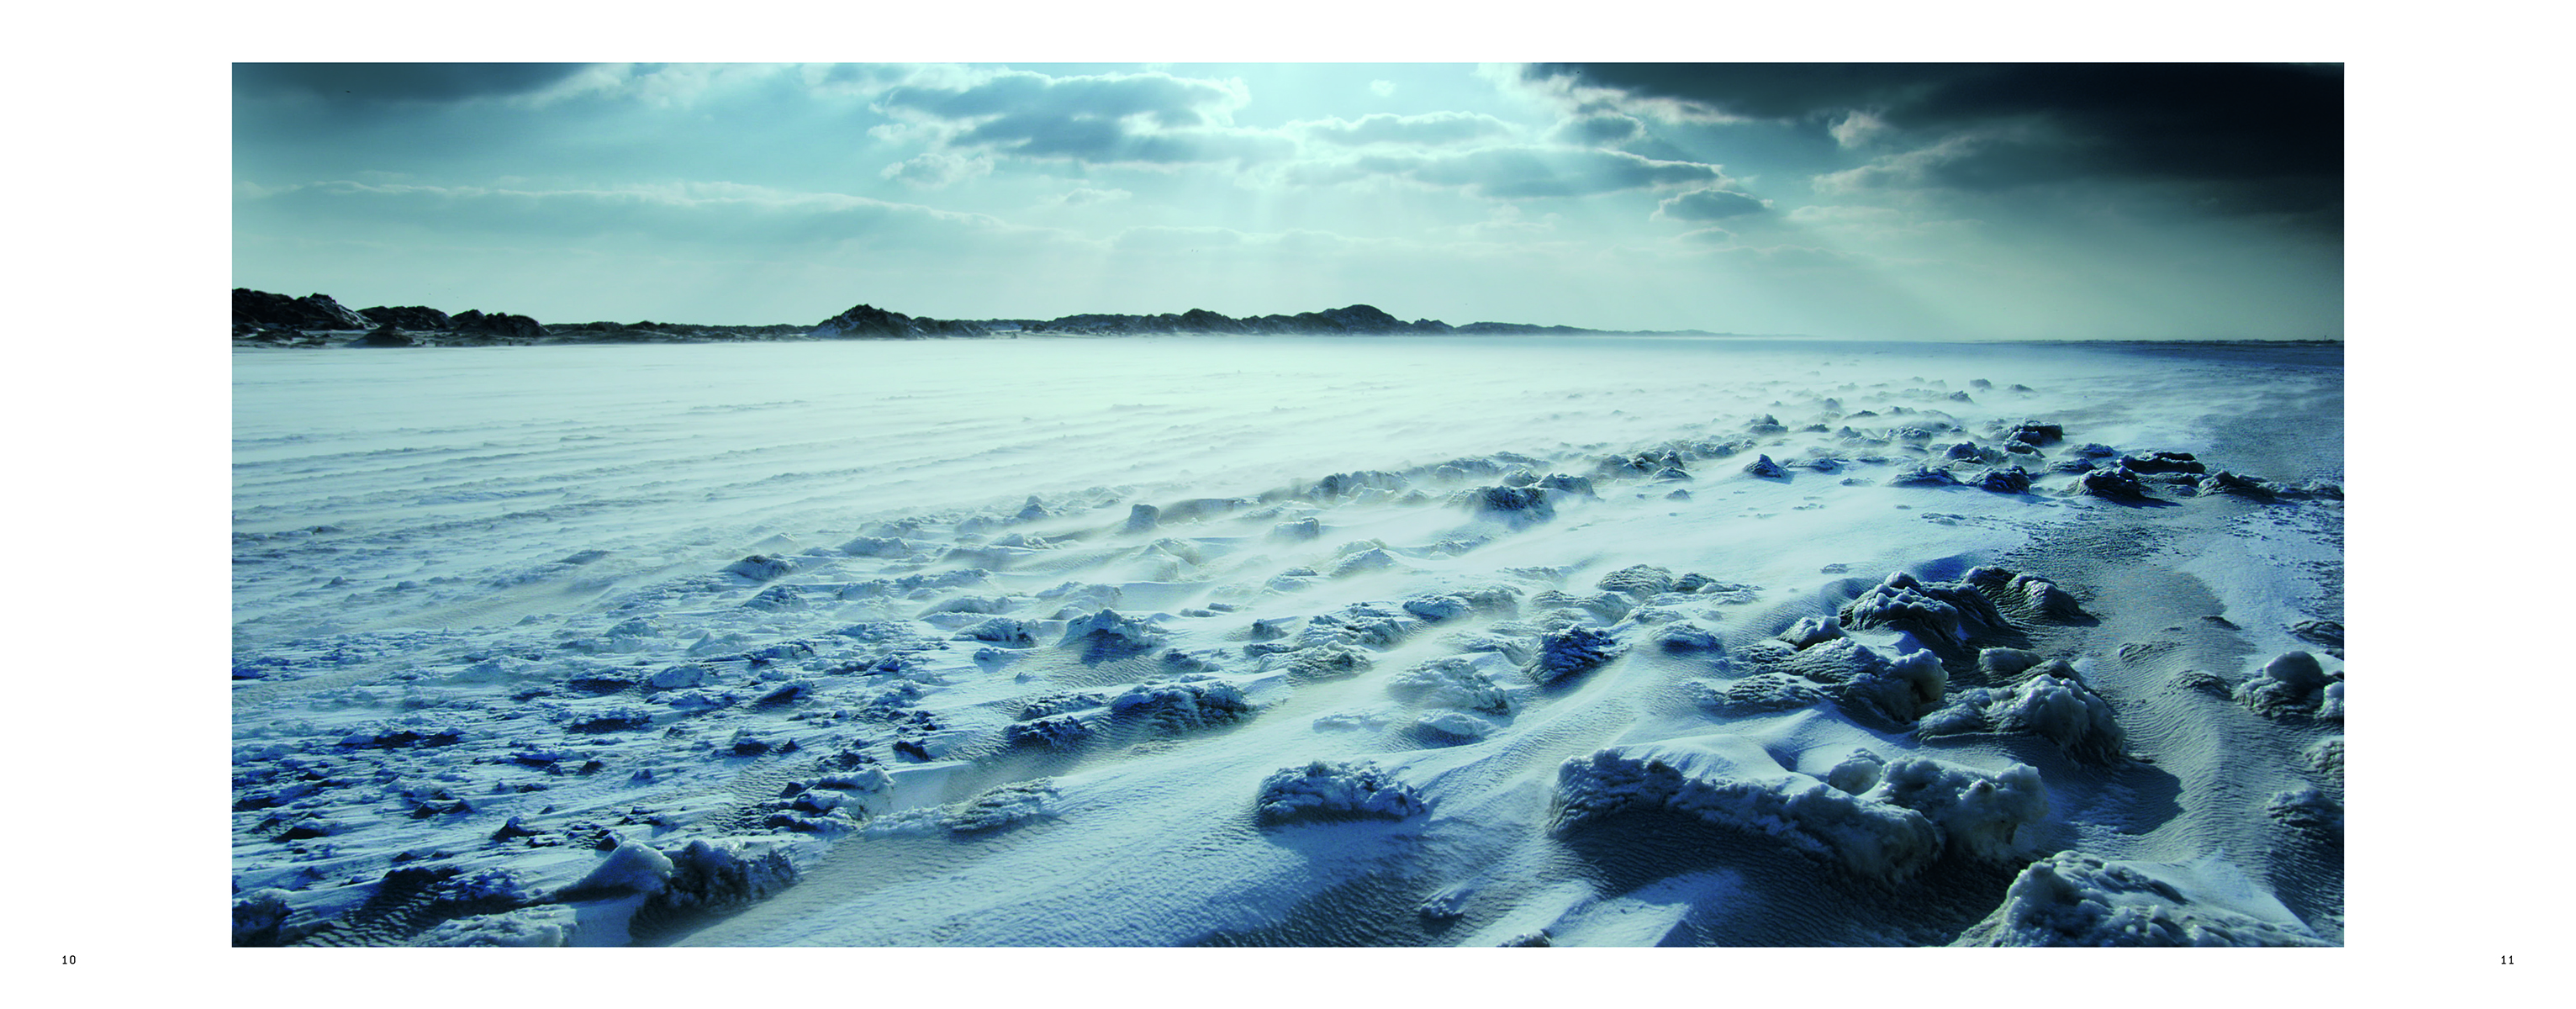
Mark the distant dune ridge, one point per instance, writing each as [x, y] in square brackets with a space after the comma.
[262, 318]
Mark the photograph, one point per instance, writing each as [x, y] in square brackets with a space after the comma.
[1294, 504]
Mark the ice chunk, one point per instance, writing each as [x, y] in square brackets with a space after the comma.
[1010, 632]
[1454, 682]
[677, 677]
[2307, 808]
[1639, 581]
[1979, 813]
[258, 917]
[1938, 614]
[1571, 651]
[542, 925]
[762, 567]
[1857, 774]
[1811, 631]
[1520, 504]
[726, 874]
[2039, 595]
[1454, 726]
[1050, 732]
[1437, 608]
[2005, 480]
[2036, 434]
[1687, 636]
[1731, 780]
[1003, 806]
[1328, 790]
[2163, 462]
[1763, 692]
[1899, 688]
[1111, 627]
[631, 868]
[2293, 684]
[2060, 710]
[1920, 475]
[2075, 899]
[1181, 705]
[2114, 484]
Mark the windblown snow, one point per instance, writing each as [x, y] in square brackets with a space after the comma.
[1273, 641]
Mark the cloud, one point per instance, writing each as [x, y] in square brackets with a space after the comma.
[1382, 89]
[1429, 130]
[663, 85]
[1507, 222]
[937, 169]
[1599, 130]
[1919, 167]
[1516, 173]
[1726, 91]
[1103, 119]
[1790, 257]
[2259, 137]
[694, 213]
[1156, 238]
[397, 82]
[1858, 129]
[1087, 196]
[1709, 205]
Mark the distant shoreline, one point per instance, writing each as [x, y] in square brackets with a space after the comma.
[263, 319]
[348, 339]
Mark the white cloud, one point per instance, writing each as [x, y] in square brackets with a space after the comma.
[1515, 172]
[1087, 196]
[1157, 238]
[1150, 119]
[1429, 130]
[1382, 88]
[937, 169]
[1858, 129]
[662, 85]
[1709, 205]
[690, 212]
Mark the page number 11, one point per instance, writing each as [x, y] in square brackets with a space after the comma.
[2508, 961]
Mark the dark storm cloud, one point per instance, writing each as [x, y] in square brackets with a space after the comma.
[396, 82]
[2266, 137]
[1598, 130]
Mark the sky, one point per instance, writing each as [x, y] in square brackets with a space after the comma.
[1869, 201]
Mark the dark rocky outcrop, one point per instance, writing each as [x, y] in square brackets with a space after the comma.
[312, 311]
[2162, 462]
[500, 324]
[412, 317]
[263, 317]
[870, 322]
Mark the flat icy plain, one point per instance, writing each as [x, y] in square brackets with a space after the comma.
[1266, 641]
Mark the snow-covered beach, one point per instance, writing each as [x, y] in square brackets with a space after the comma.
[1213, 641]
